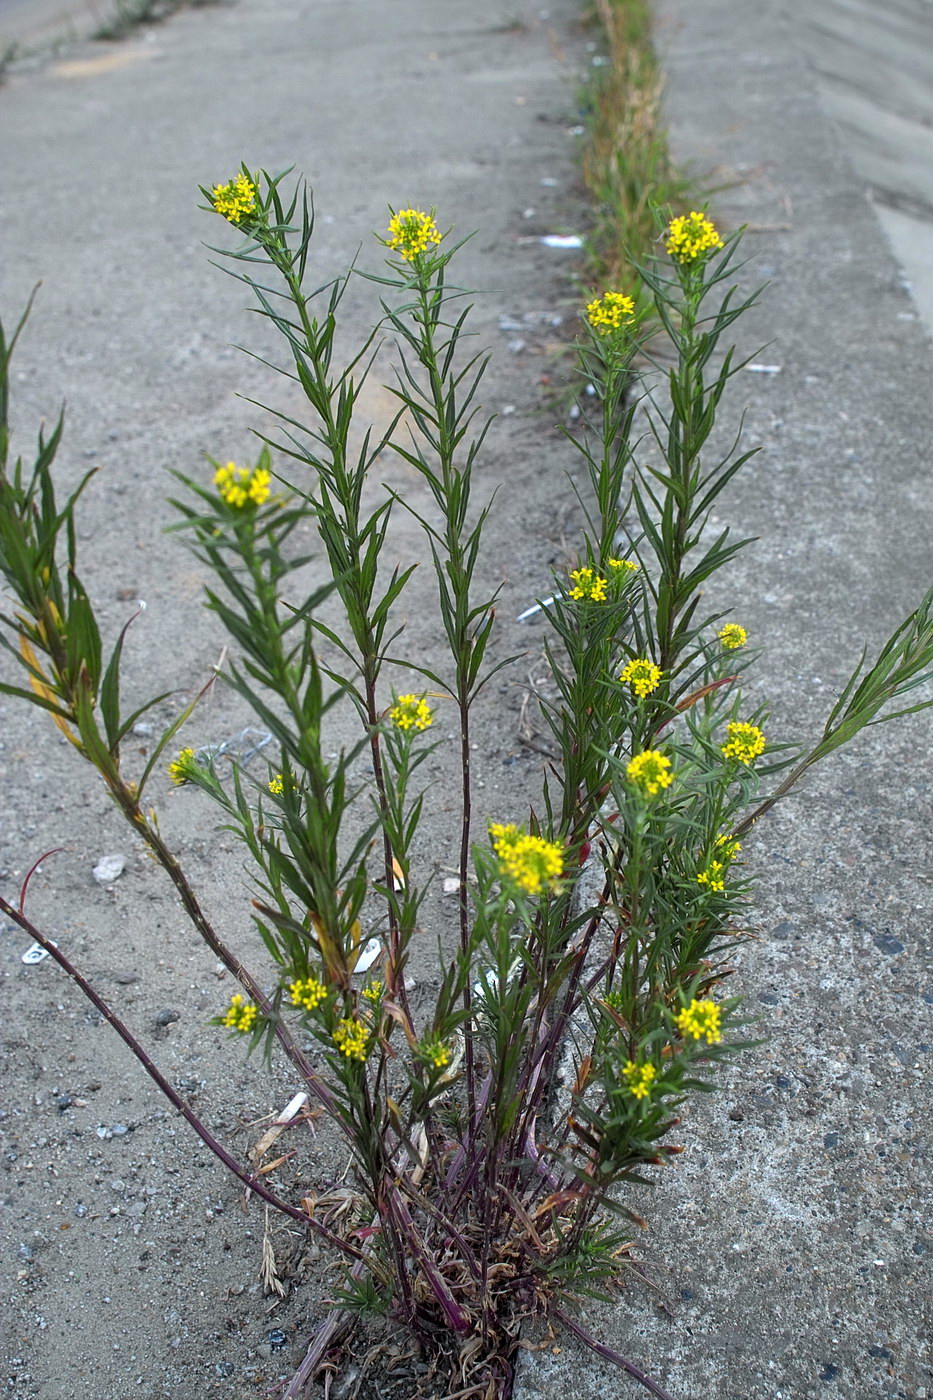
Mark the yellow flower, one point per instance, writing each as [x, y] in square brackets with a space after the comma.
[727, 846]
[241, 1014]
[411, 232]
[638, 1078]
[307, 993]
[702, 1020]
[712, 875]
[745, 742]
[587, 584]
[691, 236]
[651, 771]
[642, 675]
[179, 770]
[236, 200]
[530, 862]
[411, 712]
[276, 785]
[242, 486]
[434, 1053]
[374, 992]
[627, 565]
[608, 312]
[352, 1039]
[733, 636]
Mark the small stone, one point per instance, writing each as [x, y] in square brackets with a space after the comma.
[142, 728]
[736, 1115]
[165, 1018]
[277, 1338]
[80, 1210]
[219, 971]
[119, 1129]
[27, 1253]
[125, 979]
[104, 1132]
[64, 1101]
[886, 944]
[225, 1368]
[118, 1184]
[109, 868]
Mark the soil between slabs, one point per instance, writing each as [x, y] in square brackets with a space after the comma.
[130, 1263]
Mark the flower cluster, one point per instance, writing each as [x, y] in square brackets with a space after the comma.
[642, 675]
[623, 567]
[713, 875]
[651, 771]
[242, 486]
[530, 862]
[276, 785]
[307, 992]
[434, 1053]
[241, 1014]
[411, 712]
[180, 769]
[608, 312]
[638, 1078]
[744, 743]
[352, 1039]
[411, 232]
[702, 1020]
[588, 584]
[374, 993]
[236, 200]
[690, 237]
[733, 636]
[727, 846]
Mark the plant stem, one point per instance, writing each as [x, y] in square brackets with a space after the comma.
[253, 1182]
[607, 1352]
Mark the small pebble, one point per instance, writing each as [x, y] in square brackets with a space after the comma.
[80, 1210]
[277, 1338]
[165, 1018]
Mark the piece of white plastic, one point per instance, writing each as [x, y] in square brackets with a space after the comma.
[36, 953]
[562, 240]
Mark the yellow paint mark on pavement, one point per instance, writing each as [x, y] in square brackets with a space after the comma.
[107, 63]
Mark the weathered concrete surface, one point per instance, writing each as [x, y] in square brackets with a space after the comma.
[875, 69]
[27, 26]
[792, 1243]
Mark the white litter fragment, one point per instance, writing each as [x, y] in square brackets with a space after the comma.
[368, 956]
[451, 885]
[764, 369]
[36, 953]
[109, 868]
[535, 608]
[290, 1111]
[562, 240]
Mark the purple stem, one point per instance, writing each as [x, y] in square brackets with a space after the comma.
[602, 1350]
[457, 1320]
[328, 1333]
[255, 1183]
[540, 1166]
